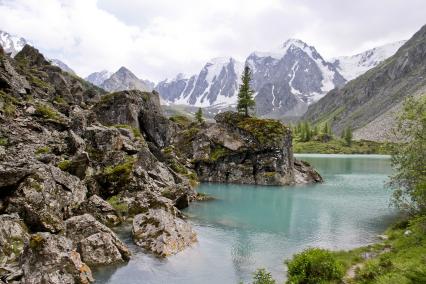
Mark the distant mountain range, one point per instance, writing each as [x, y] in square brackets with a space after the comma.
[122, 79]
[369, 102]
[286, 80]
[13, 44]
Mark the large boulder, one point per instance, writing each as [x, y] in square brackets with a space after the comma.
[96, 243]
[161, 232]
[101, 210]
[46, 197]
[52, 259]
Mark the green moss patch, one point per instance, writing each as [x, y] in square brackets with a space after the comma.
[46, 112]
[120, 172]
[136, 132]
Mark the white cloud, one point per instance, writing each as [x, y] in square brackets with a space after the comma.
[158, 39]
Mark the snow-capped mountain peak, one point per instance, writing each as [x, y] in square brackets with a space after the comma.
[97, 78]
[353, 66]
[11, 43]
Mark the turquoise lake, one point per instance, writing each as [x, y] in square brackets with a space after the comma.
[247, 227]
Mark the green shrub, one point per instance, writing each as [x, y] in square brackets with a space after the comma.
[3, 141]
[120, 172]
[218, 152]
[262, 276]
[119, 206]
[42, 150]
[46, 112]
[64, 165]
[9, 109]
[181, 120]
[314, 266]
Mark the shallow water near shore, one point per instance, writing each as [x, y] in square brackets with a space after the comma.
[247, 227]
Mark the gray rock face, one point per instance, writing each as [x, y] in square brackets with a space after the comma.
[376, 92]
[161, 232]
[96, 243]
[51, 259]
[101, 210]
[122, 80]
[47, 197]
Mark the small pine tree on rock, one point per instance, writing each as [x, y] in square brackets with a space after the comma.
[199, 116]
[245, 95]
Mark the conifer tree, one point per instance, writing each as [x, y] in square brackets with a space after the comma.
[245, 95]
[348, 136]
[199, 116]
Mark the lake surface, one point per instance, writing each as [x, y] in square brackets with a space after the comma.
[248, 227]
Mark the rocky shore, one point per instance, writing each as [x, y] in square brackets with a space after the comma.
[76, 161]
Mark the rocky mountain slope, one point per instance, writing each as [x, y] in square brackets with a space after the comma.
[370, 96]
[290, 78]
[352, 66]
[76, 160]
[121, 80]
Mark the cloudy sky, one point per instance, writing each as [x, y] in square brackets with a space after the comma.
[159, 38]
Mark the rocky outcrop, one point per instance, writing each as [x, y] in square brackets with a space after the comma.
[47, 197]
[95, 242]
[161, 232]
[238, 149]
[52, 259]
[73, 161]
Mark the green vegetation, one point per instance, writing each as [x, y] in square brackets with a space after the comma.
[9, 104]
[42, 150]
[136, 132]
[120, 172]
[199, 116]
[409, 159]
[264, 130]
[40, 83]
[262, 276]
[339, 146]
[3, 141]
[321, 140]
[59, 100]
[64, 165]
[121, 207]
[313, 266]
[46, 112]
[37, 241]
[400, 259]
[218, 152]
[182, 120]
[245, 95]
